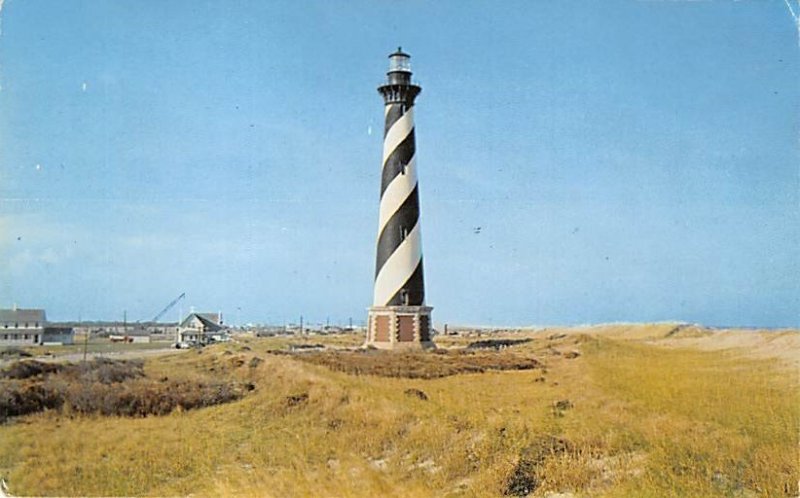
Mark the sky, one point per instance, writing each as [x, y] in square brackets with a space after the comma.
[579, 162]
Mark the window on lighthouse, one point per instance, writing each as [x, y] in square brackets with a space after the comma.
[399, 62]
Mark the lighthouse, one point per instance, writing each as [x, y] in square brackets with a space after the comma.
[399, 318]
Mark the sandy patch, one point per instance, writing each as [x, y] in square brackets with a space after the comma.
[783, 345]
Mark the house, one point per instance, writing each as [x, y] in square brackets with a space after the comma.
[28, 327]
[202, 328]
[20, 327]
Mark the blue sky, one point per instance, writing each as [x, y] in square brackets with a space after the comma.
[625, 161]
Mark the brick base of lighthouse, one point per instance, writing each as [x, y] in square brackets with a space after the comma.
[400, 327]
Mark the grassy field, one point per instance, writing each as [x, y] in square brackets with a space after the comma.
[601, 412]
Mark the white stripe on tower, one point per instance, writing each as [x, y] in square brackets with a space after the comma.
[398, 268]
[397, 192]
[398, 132]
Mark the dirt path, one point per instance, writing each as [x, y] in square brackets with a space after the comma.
[119, 355]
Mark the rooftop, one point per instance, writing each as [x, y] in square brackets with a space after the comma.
[22, 315]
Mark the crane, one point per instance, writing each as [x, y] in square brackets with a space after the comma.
[168, 307]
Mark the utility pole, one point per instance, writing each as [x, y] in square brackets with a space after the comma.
[86, 343]
[301, 325]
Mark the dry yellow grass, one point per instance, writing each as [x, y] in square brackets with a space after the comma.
[625, 418]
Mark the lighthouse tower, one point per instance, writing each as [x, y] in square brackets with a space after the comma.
[398, 317]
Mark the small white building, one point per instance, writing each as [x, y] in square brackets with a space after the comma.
[57, 335]
[203, 328]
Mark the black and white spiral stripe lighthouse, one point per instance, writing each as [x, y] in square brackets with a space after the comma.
[399, 317]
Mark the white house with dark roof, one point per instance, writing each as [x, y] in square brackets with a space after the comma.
[27, 327]
[202, 328]
[19, 327]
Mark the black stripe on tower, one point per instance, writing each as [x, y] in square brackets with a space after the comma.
[397, 160]
[413, 291]
[394, 113]
[397, 228]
